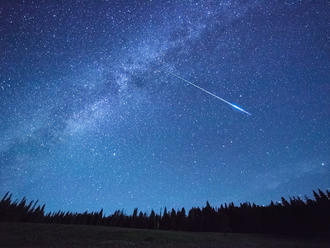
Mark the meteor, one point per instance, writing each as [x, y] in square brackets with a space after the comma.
[210, 93]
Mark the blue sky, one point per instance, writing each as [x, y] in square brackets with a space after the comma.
[91, 118]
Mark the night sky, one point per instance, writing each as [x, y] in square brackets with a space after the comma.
[92, 117]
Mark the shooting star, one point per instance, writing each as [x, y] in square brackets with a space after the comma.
[210, 93]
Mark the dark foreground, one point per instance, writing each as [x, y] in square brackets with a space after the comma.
[30, 235]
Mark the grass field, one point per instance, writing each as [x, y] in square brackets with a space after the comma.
[30, 235]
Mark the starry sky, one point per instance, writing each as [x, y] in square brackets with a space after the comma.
[91, 116]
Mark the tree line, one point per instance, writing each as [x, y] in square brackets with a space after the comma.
[292, 216]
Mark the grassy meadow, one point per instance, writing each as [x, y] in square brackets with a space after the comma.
[33, 235]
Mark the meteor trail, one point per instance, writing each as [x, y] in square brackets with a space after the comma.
[210, 93]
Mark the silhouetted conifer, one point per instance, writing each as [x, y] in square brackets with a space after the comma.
[285, 203]
[294, 216]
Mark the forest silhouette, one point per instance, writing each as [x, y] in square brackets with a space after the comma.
[292, 216]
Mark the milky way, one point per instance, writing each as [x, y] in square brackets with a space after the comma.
[87, 121]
